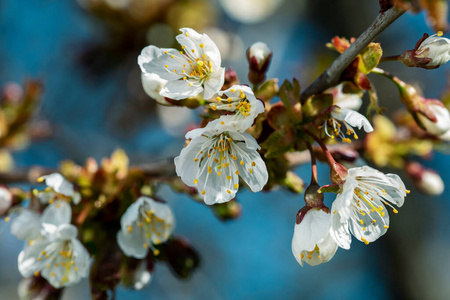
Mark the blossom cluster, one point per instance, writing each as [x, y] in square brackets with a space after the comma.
[223, 151]
[52, 248]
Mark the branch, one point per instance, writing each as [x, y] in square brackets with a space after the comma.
[330, 77]
[160, 168]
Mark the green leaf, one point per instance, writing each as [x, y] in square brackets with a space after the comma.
[278, 143]
[370, 57]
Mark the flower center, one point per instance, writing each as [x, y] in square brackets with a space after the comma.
[337, 130]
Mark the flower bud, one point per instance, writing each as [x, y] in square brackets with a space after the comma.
[181, 256]
[426, 180]
[431, 52]
[228, 210]
[231, 79]
[36, 287]
[294, 183]
[312, 196]
[312, 242]
[259, 56]
[441, 121]
[138, 273]
[6, 200]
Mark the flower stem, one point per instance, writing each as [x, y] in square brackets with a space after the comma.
[390, 58]
[330, 158]
[313, 165]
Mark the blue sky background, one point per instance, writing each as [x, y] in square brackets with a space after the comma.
[249, 258]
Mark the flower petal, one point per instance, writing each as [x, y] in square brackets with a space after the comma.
[181, 89]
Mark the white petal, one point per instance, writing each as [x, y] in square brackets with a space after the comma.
[132, 244]
[28, 262]
[59, 184]
[180, 89]
[353, 118]
[185, 165]
[442, 124]
[5, 200]
[131, 215]
[312, 230]
[153, 84]
[57, 213]
[26, 226]
[193, 41]
[250, 141]
[339, 231]
[214, 83]
[157, 65]
[253, 170]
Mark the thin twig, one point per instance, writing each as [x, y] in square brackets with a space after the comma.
[330, 76]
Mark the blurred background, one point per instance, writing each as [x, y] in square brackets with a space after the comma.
[85, 52]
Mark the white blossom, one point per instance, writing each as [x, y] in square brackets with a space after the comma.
[145, 223]
[58, 188]
[360, 206]
[214, 160]
[442, 124]
[56, 253]
[345, 100]
[435, 47]
[312, 242]
[153, 84]
[193, 71]
[343, 120]
[242, 103]
[5, 200]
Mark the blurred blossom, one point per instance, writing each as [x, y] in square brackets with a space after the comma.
[160, 34]
[344, 100]
[146, 223]
[230, 45]
[442, 116]
[58, 187]
[142, 276]
[12, 92]
[250, 11]
[5, 200]
[426, 180]
[175, 126]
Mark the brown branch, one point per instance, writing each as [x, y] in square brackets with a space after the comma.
[330, 77]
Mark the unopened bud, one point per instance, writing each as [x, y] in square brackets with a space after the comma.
[338, 173]
[228, 210]
[312, 196]
[294, 183]
[431, 52]
[426, 180]
[231, 79]
[36, 287]
[181, 256]
[430, 114]
[441, 121]
[6, 200]
[259, 56]
[138, 273]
